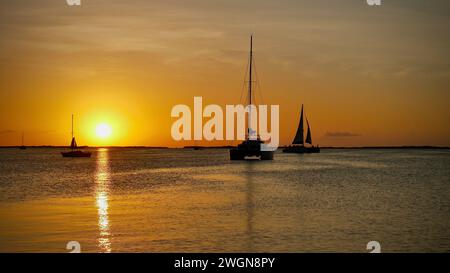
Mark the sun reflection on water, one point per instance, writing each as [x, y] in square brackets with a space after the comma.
[102, 178]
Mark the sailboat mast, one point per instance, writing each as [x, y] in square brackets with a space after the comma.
[250, 75]
[72, 142]
[22, 138]
[72, 125]
[249, 128]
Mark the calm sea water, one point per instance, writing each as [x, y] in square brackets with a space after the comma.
[144, 200]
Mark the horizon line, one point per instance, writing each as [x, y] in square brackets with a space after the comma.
[230, 146]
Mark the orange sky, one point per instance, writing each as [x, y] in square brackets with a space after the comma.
[367, 75]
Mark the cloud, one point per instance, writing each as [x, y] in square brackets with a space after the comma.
[7, 132]
[341, 134]
[34, 132]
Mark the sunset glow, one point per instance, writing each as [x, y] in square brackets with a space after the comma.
[103, 130]
[363, 78]
[224, 135]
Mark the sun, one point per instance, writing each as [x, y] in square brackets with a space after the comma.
[103, 130]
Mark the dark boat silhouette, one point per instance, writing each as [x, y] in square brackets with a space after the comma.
[196, 147]
[251, 146]
[73, 146]
[298, 145]
[22, 147]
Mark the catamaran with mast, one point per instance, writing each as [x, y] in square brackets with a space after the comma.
[73, 146]
[251, 146]
[298, 145]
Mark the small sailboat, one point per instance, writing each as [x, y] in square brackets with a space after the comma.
[298, 145]
[251, 146]
[22, 147]
[73, 146]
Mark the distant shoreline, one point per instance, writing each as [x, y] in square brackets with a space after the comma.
[226, 147]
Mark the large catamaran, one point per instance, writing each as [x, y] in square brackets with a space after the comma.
[252, 145]
[298, 145]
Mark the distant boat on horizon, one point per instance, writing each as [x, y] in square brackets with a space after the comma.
[251, 146]
[196, 147]
[298, 145]
[22, 147]
[73, 146]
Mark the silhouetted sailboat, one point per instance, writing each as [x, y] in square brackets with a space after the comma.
[251, 146]
[298, 145]
[73, 146]
[22, 147]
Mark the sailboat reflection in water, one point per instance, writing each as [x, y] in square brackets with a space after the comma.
[298, 146]
[102, 179]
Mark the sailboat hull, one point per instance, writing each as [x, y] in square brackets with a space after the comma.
[76, 154]
[301, 150]
[248, 149]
